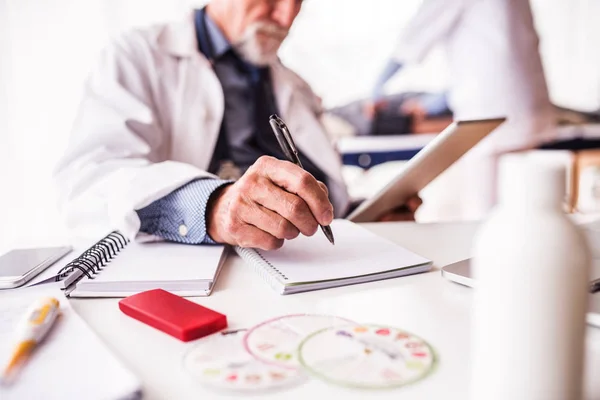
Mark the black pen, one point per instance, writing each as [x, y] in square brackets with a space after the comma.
[284, 138]
[595, 286]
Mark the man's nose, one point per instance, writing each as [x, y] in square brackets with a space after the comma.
[285, 12]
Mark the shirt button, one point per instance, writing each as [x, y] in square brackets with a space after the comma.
[183, 230]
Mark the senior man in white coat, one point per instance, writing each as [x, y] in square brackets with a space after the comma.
[171, 111]
[494, 70]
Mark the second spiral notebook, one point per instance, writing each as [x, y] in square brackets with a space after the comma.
[311, 263]
[116, 267]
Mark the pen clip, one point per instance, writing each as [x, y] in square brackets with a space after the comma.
[288, 136]
[284, 137]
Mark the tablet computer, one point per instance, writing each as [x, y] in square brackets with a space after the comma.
[443, 151]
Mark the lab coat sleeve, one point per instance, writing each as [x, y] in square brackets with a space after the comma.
[433, 21]
[112, 165]
[390, 69]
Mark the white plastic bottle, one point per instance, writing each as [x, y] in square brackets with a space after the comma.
[531, 268]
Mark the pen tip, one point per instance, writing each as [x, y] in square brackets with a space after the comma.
[273, 116]
[328, 234]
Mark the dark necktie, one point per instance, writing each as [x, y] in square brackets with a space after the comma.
[266, 140]
[263, 140]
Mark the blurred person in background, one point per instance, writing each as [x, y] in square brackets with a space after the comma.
[172, 138]
[495, 70]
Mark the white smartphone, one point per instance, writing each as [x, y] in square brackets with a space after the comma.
[19, 266]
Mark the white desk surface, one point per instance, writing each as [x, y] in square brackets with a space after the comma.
[426, 304]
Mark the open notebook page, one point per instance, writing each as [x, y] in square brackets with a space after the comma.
[161, 261]
[356, 252]
[71, 363]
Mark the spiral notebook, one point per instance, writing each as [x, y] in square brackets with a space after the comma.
[116, 267]
[312, 263]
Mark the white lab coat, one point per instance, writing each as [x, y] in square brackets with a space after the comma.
[495, 70]
[149, 122]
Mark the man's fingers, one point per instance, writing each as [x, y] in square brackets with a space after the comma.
[287, 205]
[323, 187]
[295, 180]
[414, 203]
[369, 110]
[270, 222]
[274, 201]
[381, 105]
[252, 237]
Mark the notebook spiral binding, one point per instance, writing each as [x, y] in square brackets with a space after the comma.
[91, 261]
[256, 258]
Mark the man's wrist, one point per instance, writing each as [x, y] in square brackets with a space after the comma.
[212, 214]
[180, 216]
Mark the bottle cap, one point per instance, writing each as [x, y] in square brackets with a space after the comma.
[533, 178]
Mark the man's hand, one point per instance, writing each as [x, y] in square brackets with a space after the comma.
[371, 108]
[414, 108]
[274, 200]
[404, 213]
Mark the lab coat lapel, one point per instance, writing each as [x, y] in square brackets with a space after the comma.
[297, 111]
[201, 100]
[201, 111]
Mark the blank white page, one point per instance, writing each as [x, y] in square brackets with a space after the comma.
[71, 363]
[356, 252]
[161, 261]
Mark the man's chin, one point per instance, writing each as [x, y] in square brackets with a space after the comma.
[259, 59]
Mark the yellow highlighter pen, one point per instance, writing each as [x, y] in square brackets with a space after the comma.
[31, 331]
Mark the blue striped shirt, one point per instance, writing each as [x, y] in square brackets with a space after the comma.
[181, 215]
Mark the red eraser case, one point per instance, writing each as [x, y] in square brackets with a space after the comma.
[173, 314]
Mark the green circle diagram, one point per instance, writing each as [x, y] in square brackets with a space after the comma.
[351, 384]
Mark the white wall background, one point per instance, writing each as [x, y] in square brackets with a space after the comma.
[47, 47]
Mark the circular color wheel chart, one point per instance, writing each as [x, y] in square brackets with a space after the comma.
[367, 356]
[276, 341]
[221, 362]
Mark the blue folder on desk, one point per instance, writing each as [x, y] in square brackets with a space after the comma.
[367, 152]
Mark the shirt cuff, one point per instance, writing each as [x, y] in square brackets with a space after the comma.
[180, 216]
